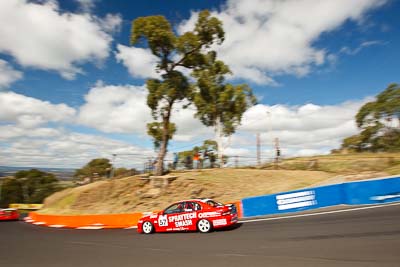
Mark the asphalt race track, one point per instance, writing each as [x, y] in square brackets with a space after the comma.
[369, 237]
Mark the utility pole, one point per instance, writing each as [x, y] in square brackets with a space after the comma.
[258, 150]
[270, 134]
[277, 150]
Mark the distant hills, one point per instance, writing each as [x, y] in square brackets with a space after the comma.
[60, 173]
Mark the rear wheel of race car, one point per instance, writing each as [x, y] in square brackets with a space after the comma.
[204, 226]
[147, 227]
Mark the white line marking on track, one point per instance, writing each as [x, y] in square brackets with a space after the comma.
[57, 225]
[89, 228]
[132, 227]
[319, 213]
[39, 223]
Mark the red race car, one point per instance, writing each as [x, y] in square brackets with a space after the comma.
[202, 215]
[9, 214]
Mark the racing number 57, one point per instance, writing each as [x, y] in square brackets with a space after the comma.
[162, 220]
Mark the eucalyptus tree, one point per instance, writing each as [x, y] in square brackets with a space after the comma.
[379, 122]
[175, 55]
[219, 104]
[155, 130]
[384, 110]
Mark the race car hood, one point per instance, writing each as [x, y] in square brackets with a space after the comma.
[152, 215]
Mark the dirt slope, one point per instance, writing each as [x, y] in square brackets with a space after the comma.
[140, 194]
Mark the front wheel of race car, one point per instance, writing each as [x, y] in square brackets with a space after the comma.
[147, 227]
[204, 226]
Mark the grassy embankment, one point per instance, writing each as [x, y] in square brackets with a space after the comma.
[137, 194]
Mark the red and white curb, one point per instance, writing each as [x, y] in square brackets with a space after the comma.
[95, 226]
[57, 226]
[28, 220]
[39, 223]
[132, 227]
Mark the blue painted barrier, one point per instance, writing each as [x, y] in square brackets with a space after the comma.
[372, 191]
[293, 201]
[353, 193]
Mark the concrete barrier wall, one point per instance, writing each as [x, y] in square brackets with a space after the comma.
[372, 191]
[291, 201]
[353, 193]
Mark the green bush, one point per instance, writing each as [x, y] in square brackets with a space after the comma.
[31, 186]
[96, 167]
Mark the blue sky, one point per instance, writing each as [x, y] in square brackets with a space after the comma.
[72, 88]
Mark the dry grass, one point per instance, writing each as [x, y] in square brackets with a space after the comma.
[132, 193]
[394, 169]
[344, 164]
[136, 194]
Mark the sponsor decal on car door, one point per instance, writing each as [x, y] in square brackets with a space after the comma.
[183, 221]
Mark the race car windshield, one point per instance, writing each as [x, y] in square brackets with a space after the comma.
[213, 203]
[175, 208]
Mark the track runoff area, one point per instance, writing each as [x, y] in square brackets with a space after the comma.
[308, 213]
[317, 212]
[359, 236]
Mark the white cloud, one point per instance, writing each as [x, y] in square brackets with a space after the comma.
[308, 127]
[30, 112]
[69, 149]
[302, 130]
[8, 75]
[123, 109]
[14, 131]
[265, 38]
[41, 36]
[140, 62]
[349, 51]
[188, 127]
[32, 134]
[25, 124]
[32, 130]
[304, 118]
[87, 5]
[237, 151]
[116, 109]
[111, 23]
[252, 74]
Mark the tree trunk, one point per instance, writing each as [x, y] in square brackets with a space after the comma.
[218, 138]
[159, 168]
